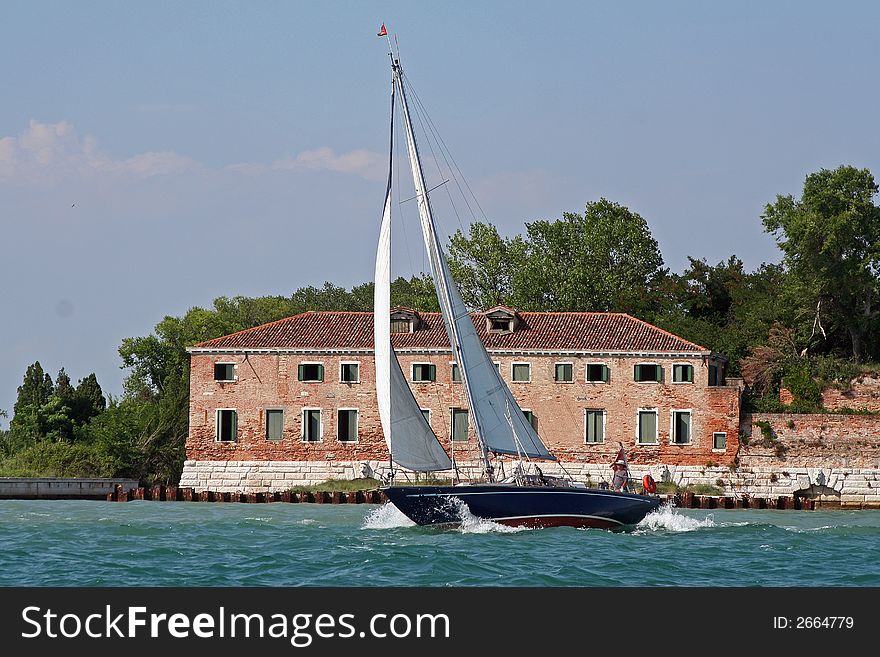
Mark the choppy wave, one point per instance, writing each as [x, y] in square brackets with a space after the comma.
[188, 544]
[386, 516]
[471, 524]
[666, 518]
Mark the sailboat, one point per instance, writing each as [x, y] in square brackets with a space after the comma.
[525, 498]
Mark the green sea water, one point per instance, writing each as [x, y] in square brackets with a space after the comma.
[83, 543]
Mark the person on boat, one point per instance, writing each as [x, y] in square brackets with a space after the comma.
[620, 480]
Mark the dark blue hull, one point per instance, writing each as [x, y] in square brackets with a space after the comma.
[530, 506]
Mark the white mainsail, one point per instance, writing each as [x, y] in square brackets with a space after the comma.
[488, 396]
[411, 442]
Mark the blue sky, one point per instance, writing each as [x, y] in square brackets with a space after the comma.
[154, 156]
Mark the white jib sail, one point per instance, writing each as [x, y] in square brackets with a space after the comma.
[411, 442]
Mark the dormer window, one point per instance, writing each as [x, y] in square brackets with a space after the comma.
[501, 319]
[404, 320]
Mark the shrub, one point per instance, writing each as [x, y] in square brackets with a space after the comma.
[704, 489]
[58, 459]
[766, 432]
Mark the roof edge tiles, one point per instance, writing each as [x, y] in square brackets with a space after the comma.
[537, 331]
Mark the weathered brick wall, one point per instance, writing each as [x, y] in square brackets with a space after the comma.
[270, 381]
[816, 440]
[861, 394]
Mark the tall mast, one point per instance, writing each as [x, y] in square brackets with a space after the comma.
[436, 257]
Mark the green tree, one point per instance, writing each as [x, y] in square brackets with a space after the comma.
[484, 265]
[603, 260]
[88, 400]
[830, 239]
[33, 393]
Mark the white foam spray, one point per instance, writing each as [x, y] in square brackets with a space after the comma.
[386, 516]
[668, 519]
[471, 524]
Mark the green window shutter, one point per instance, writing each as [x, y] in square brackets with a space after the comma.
[301, 372]
[660, 373]
[647, 427]
[594, 426]
[432, 372]
[637, 373]
[320, 372]
[690, 373]
[234, 425]
[606, 373]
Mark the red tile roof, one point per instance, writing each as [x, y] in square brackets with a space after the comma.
[600, 332]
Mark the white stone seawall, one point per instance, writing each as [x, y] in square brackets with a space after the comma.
[849, 486]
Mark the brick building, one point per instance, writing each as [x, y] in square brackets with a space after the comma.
[294, 401]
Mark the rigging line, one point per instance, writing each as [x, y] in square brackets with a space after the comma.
[402, 223]
[419, 113]
[430, 139]
[456, 167]
[433, 134]
[412, 198]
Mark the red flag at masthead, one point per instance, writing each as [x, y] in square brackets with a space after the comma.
[382, 31]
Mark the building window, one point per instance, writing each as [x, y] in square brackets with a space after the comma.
[681, 427]
[347, 425]
[350, 372]
[719, 440]
[456, 373]
[424, 372]
[597, 373]
[311, 424]
[500, 325]
[594, 425]
[224, 371]
[426, 413]
[647, 429]
[682, 373]
[459, 424]
[227, 425]
[521, 372]
[274, 424]
[648, 372]
[401, 326]
[311, 372]
[531, 418]
[564, 373]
